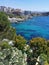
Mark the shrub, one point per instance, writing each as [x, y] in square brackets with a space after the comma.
[12, 56]
[48, 54]
[4, 22]
[46, 63]
[39, 45]
[4, 45]
[20, 42]
[6, 31]
[10, 34]
[48, 43]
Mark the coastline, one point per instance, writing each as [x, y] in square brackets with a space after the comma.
[16, 20]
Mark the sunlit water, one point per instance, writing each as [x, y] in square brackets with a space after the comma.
[35, 27]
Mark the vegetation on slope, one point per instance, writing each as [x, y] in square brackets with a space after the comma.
[6, 31]
[38, 47]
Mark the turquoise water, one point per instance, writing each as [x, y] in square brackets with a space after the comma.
[35, 27]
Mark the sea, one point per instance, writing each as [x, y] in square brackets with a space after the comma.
[35, 27]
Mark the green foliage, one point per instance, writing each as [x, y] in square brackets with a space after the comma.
[43, 57]
[40, 48]
[10, 34]
[48, 54]
[6, 31]
[37, 41]
[48, 43]
[20, 42]
[12, 56]
[11, 15]
[39, 45]
[4, 22]
[20, 17]
[46, 63]
[4, 45]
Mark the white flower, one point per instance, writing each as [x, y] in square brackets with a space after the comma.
[16, 56]
[26, 47]
[1, 63]
[30, 50]
[10, 43]
[38, 58]
[10, 63]
[36, 63]
[5, 40]
[17, 61]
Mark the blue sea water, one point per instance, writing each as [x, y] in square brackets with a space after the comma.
[35, 27]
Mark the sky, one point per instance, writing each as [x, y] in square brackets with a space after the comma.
[33, 5]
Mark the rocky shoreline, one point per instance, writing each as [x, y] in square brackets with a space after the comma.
[12, 20]
[16, 20]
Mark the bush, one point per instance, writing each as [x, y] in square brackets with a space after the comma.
[48, 54]
[4, 45]
[20, 42]
[12, 56]
[10, 34]
[45, 63]
[4, 22]
[39, 45]
[6, 31]
[48, 43]
[43, 57]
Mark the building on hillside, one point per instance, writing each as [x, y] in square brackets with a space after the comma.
[27, 12]
[17, 12]
[3, 9]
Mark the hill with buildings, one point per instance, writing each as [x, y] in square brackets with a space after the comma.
[20, 13]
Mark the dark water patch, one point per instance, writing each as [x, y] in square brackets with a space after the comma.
[26, 30]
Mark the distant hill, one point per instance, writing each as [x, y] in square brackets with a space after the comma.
[18, 12]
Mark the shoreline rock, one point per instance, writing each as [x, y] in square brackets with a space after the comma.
[16, 20]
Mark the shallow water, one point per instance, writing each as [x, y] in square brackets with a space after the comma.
[35, 27]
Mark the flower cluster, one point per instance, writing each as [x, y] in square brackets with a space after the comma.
[12, 56]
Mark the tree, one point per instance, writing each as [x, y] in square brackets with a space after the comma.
[6, 31]
[4, 22]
